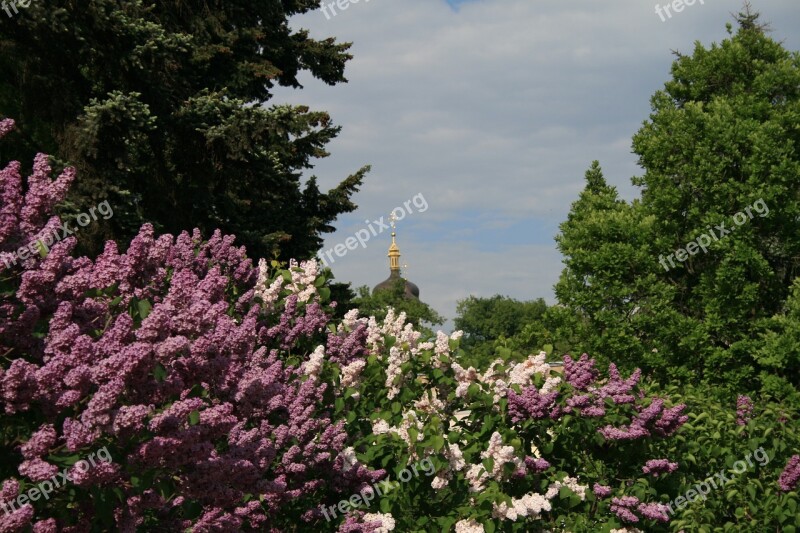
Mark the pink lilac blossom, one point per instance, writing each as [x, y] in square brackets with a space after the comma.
[6, 125]
[656, 467]
[531, 404]
[601, 491]
[790, 475]
[744, 410]
[165, 355]
[622, 508]
[651, 420]
[653, 511]
[581, 373]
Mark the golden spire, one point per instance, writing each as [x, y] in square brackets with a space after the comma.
[394, 250]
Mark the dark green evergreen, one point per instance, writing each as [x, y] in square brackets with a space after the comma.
[162, 108]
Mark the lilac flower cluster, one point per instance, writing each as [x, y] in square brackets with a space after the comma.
[790, 475]
[744, 410]
[589, 399]
[530, 404]
[651, 420]
[656, 467]
[581, 373]
[601, 491]
[625, 506]
[163, 355]
[592, 403]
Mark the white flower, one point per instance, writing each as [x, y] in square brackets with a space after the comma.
[455, 457]
[303, 278]
[476, 476]
[386, 520]
[501, 455]
[530, 505]
[352, 372]
[430, 403]
[442, 346]
[571, 483]
[349, 459]
[393, 371]
[550, 384]
[379, 427]
[351, 318]
[465, 378]
[521, 373]
[439, 482]
[313, 366]
[269, 295]
[468, 526]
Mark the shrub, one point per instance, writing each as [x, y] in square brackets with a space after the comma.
[179, 358]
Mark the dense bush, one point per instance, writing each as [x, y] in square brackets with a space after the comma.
[178, 359]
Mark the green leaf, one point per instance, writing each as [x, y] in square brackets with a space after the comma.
[159, 372]
[42, 249]
[144, 307]
[325, 294]
[194, 418]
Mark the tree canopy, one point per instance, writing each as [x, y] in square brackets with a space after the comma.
[160, 106]
[689, 280]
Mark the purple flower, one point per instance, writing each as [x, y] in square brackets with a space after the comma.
[790, 475]
[654, 511]
[657, 467]
[622, 508]
[744, 410]
[40, 442]
[530, 404]
[536, 465]
[601, 491]
[618, 389]
[581, 373]
[6, 125]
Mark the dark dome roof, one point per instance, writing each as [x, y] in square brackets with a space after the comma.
[412, 291]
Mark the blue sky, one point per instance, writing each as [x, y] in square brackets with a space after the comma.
[493, 110]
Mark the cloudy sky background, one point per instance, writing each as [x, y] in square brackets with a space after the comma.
[493, 110]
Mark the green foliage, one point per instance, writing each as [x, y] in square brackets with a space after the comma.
[493, 326]
[712, 442]
[160, 106]
[722, 136]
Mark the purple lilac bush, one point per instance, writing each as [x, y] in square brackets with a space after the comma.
[173, 358]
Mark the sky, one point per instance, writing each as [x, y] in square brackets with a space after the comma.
[489, 112]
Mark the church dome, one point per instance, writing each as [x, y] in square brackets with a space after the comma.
[411, 290]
